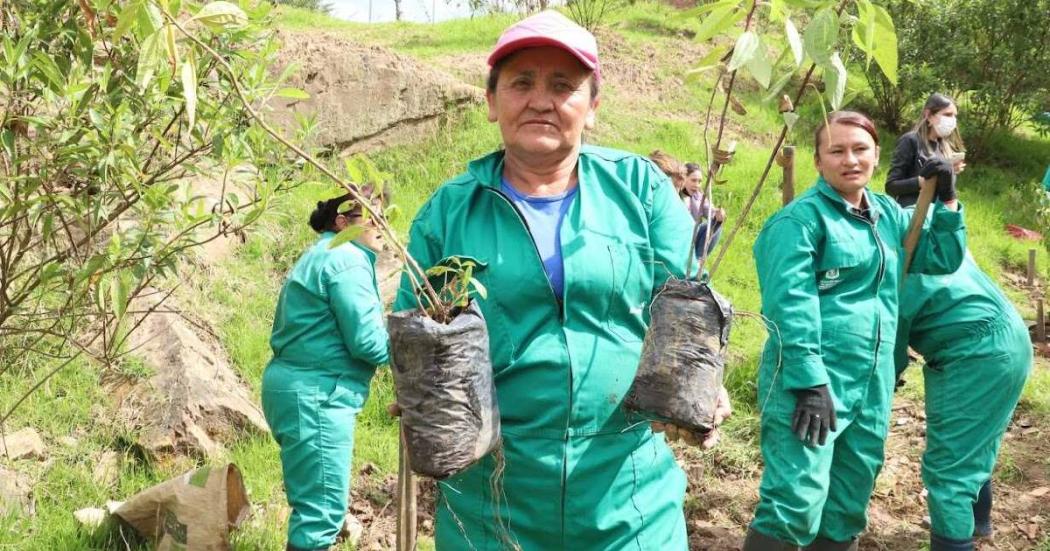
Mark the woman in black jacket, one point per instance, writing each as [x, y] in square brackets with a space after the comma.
[935, 135]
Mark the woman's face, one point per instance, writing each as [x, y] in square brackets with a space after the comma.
[542, 102]
[692, 182]
[370, 237]
[847, 158]
[943, 122]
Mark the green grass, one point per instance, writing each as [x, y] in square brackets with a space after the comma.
[238, 296]
[420, 40]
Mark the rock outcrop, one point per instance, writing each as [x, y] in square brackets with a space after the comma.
[365, 96]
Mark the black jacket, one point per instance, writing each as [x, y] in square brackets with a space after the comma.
[902, 182]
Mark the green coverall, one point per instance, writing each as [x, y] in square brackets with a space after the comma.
[829, 279]
[328, 336]
[978, 355]
[581, 473]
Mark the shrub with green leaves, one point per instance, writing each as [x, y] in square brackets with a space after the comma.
[993, 56]
[107, 111]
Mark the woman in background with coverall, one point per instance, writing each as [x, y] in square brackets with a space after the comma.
[829, 267]
[977, 353]
[328, 337]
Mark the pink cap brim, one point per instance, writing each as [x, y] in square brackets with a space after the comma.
[537, 41]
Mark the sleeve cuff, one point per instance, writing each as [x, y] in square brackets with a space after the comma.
[806, 372]
[947, 220]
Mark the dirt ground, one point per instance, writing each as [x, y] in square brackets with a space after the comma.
[897, 514]
[722, 494]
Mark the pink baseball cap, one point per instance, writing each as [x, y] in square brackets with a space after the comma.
[549, 28]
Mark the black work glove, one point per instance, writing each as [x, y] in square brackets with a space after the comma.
[814, 415]
[945, 174]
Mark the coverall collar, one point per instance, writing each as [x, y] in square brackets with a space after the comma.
[488, 170]
[369, 253]
[825, 188]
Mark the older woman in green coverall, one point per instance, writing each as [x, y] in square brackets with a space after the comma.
[978, 355]
[574, 240]
[829, 267]
[328, 337]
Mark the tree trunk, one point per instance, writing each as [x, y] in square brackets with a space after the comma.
[397, 10]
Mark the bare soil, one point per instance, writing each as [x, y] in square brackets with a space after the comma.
[898, 521]
[722, 493]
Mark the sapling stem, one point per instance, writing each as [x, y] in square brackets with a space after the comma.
[422, 285]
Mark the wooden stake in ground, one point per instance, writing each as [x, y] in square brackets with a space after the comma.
[927, 186]
[406, 498]
[787, 162]
[1031, 267]
[1040, 322]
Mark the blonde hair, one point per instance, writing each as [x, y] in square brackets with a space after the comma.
[946, 146]
[670, 166]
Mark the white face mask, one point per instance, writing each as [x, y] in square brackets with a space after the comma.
[944, 126]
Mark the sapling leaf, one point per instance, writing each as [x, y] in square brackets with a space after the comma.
[702, 9]
[718, 21]
[794, 40]
[885, 53]
[348, 234]
[864, 30]
[821, 35]
[219, 16]
[128, 15]
[479, 288]
[781, 82]
[439, 270]
[353, 169]
[711, 60]
[759, 66]
[118, 295]
[292, 93]
[744, 50]
[835, 75]
[149, 58]
[189, 89]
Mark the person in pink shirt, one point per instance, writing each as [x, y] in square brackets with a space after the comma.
[702, 209]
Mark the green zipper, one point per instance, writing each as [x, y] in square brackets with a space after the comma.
[561, 321]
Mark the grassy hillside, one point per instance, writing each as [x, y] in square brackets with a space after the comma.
[645, 106]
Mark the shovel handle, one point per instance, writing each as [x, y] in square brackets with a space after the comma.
[406, 497]
[927, 186]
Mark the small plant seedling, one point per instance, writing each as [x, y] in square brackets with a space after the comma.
[459, 282]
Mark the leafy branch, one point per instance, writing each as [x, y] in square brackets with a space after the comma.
[872, 32]
[226, 14]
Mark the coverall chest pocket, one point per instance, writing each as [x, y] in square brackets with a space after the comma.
[840, 262]
[631, 290]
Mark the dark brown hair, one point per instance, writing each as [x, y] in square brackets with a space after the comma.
[848, 118]
[673, 168]
[946, 146]
[323, 217]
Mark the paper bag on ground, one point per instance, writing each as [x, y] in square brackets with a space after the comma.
[193, 511]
